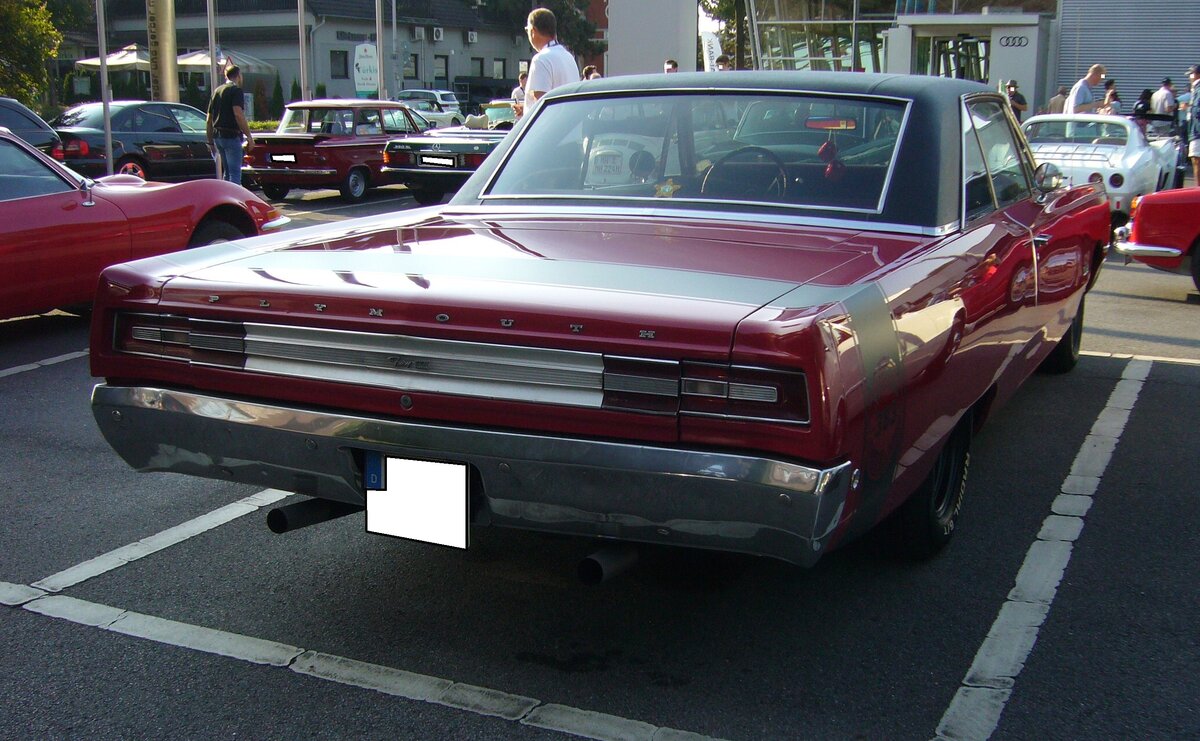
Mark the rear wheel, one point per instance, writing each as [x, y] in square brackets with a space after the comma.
[428, 196]
[212, 232]
[354, 187]
[132, 166]
[1065, 355]
[275, 191]
[927, 519]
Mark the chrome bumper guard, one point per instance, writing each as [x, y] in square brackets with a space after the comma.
[626, 491]
[1124, 247]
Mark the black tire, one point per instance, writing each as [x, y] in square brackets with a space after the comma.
[428, 196]
[1195, 253]
[212, 232]
[354, 187]
[1065, 355]
[275, 191]
[927, 519]
[455, 122]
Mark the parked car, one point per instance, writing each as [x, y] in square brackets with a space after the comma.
[58, 230]
[434, 113]
[1164, 232]
[446, 99]
[438, 163]
[1104, 149]
[154, 141]
[765, 345]
[26, 124]
[334, 143]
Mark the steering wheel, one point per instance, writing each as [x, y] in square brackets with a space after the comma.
[733, 186]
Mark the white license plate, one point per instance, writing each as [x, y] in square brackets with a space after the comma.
[422, 501]
[437, 161]
[283, 158]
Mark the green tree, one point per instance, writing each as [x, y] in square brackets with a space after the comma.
[575, 31]
[72, 15]
[295, 94]
[731, 14]
[30, 39]
[276, 108]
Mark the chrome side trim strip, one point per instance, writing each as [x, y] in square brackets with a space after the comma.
[274, 224]
[285, 171]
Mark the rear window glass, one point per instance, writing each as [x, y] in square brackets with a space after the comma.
[1076, 132]
[795, 150]
[87, 116]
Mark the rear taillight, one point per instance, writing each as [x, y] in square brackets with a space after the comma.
[1116, 180]
[399, 159]
[473, 160]
[743, 392]
[73, 149]
[179, 338]
[1133, 206]
[57, 152]
[641, 385]
[1095, 177]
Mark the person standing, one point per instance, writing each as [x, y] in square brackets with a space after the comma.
[1016, 100]
[1056, 104]
[1081, 99]
[723, 63]
[553, 65]
[518, 93]
[1163, 103]
[226, 125]
[1193, 129]
[1112, 99]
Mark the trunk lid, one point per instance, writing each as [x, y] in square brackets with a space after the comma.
[653, 289]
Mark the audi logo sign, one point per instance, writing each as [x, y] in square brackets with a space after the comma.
[1014, 41]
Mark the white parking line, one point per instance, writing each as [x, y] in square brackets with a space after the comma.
[975, 711]
[42, 363]
[339, 669]
[141, 548]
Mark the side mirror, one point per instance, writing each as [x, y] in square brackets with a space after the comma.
[1047, 177]
[88, 185]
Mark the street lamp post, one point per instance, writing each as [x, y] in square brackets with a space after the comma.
[105, 95]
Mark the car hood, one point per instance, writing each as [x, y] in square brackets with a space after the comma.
[680, 288]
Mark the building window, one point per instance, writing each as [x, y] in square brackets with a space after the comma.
[441, 68]
[477, 66]
[411, 68]
[339, 64]
[499, 68]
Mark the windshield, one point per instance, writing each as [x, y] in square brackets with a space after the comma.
[804, 151]
[1076, 132]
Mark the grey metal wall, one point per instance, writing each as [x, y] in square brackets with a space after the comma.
[1138, 41]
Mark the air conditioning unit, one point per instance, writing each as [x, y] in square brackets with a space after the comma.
[418, 33]
[437, 33]
[472, 37]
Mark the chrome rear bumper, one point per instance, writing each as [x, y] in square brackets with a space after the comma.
[626, 491]
[1123, 246]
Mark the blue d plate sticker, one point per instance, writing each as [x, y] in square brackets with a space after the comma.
[423, 501]
[373, 471]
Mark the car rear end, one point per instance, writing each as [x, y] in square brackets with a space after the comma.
[291, 160]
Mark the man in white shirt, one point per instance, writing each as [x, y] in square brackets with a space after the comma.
[1081, 99]
[553, 65]
[1163, 101]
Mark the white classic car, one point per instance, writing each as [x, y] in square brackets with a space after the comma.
[434, 113]
[1112, 150]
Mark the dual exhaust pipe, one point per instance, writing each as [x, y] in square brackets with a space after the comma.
[604, 564]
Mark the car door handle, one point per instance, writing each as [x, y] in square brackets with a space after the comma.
[1041, 240]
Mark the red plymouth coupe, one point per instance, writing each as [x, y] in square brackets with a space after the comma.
[329, 144]
[1164, 232]
[58, 230]
[754, 312]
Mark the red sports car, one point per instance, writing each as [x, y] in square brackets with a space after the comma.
[58, 230]
[1164, 232]
[755, 312]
